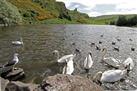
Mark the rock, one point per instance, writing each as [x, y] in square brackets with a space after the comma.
[14, 75]
[3, 84]
[5, 70]
[19, 86]
[61, 82]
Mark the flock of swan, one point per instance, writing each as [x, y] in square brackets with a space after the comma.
[120, 71]
[122, 68]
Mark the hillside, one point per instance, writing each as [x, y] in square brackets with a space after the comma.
[9, 14]
[47, 11]
[106, 19]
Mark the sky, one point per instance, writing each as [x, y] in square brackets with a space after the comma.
[102, 7]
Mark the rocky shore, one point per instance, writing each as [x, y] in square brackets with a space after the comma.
[10, 82]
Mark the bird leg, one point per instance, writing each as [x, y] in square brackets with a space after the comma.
[13, 68]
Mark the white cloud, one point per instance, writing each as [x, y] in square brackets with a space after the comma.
[122, 6]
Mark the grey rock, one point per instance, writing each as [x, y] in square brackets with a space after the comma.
[14, 75]
[3, 84]
[61, 82]
[19, 86]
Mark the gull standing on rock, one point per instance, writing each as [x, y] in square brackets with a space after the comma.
[13, 62]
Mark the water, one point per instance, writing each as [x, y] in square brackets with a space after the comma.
[37, 59]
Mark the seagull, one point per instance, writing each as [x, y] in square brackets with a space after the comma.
[110, 60]
[18, 42]
[13, 62]
[88, 62]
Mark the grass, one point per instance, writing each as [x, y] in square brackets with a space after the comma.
[58, 21]
[26, 5]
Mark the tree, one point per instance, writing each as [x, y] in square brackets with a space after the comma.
[122, 21]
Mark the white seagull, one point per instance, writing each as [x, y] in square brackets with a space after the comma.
[13, 62]
[88, 62]
[18, 42]
[110, 60]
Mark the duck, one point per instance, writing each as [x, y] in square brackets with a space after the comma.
[116, 63]
[88, 62]
[109, 76]
[18, 42]
[69, 66]
[129, 61]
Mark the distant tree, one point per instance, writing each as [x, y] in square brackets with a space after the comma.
[112, 23]
[121, 21]
[132, 21]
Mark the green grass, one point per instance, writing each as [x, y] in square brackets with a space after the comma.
[106, 19]
[58, 21]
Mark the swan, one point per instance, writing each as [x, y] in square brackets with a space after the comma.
[130, 62]
[64, 58]
[18, 42]
[88, 62]
[109, 76]
[110, 60]
[13, 62]
[69, 66]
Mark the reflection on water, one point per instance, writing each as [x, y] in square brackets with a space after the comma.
[37, 59]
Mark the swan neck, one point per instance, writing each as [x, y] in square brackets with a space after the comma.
[64, 69]
[58, 55]
[105, 52]
[97, 76]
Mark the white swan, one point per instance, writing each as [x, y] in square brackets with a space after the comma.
[129, 62]
[19, 42]
[69, 67]
[109, 76]
[88, 62]
[110, 60]
[13, 62]
[64, 58]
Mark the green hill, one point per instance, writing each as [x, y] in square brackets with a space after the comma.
[47, 11]
[106, 19]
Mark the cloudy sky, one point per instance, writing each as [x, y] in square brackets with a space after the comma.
[103, 7]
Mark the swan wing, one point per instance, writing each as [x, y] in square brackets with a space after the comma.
[111, 76]
[90, 61]
[111, 61]
[70, 66]
[85, 63]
